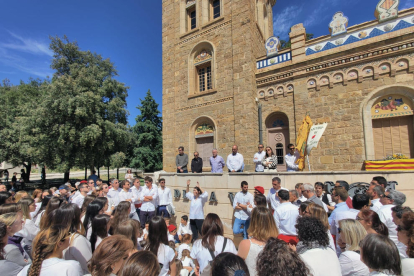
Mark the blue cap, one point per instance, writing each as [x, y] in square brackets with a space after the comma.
[63, 187]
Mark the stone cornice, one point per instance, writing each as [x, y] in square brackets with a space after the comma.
[203, 33]
[222, 100]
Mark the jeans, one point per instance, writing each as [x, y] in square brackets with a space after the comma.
[162, 211]
[144, 216]
[184, 171]
[237, 227]
[195, 225]
[138, 211]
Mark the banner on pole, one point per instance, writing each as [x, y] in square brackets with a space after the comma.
[315, 135]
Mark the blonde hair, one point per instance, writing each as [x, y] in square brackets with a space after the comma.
[19, 195]
[185, 253]
[353, 232]
[317, 211]
[9, 218]
[24, 204]
[262, 225]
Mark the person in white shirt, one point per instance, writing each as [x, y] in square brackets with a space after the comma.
[258, 157]
[213, 239]
[158, 244]
[148, 196]
[324, 197]
[272, 200]
[240, 203]
[136, 190]
[286, 215]
[235, 162]
[126, 194]
[129, 176]
[351, 234]
[184, 228]
[405, 230]
[198, 198]
[186, 240]
[29, 230]
[291, 157]
[114, 191]
[164, 199]
[83, 191]
[91, 186]
[389, 200]
[375, 192]
[48, 260]
[298, 188]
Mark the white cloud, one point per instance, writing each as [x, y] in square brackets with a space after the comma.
[27, 45]
[283, 21]
[407, 4]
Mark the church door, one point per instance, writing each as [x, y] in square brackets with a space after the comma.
[205, 147]
[279, 139]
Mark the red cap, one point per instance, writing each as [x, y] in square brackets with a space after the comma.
[171, 227]
[83, 181]
[260, 189]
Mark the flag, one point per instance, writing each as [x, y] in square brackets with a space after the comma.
[301, 141]
[315, 135]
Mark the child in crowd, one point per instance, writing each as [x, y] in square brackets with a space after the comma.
[172, 245]
[187, 262]
[172, 232]
[184, 228]
[145, 232]
[184, 245]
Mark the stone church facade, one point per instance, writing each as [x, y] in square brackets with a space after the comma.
[220, 88]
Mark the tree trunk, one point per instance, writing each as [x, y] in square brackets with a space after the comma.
[43, 175]
[86, 172]
[99, 174]
[117, 173]
[66, 176]
[108, 175]
[28, 168]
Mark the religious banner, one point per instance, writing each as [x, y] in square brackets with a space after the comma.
[386, 10]
[315, 135]
[391, 106]
[301, 141]
[204, 130]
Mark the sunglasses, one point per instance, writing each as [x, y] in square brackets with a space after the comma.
[386, 196]
[291, 148]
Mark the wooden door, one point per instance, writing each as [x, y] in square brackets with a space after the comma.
[205, 147]
[278, 139]
[392, 136]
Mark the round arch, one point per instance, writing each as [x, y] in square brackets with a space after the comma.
[203, 137]
[277, 131]
[209, 48]
[366, 106]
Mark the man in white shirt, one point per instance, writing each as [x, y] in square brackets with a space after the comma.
[235, 162]
[148, 196]
[184, 228]
[291, 157]
[389, 200]
[136, 190]
[298, 188]
[83, 190]
[374, 192]
[91, 186]
[164, 199]
[240, 203]
[114, 191]
[111, 206]
[258, 157]
[293, 198]
[285, 217]
[127, 195]
[272, 199]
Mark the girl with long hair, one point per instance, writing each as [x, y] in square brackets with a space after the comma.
[120, 214]
[85, 204]
[100, 228]
[53, 204]
[212, 234]
[7, 268]
[262, 228]
[37, 195]
[405, 234]
[158, 244]
[10, 208]
[48, 248]
[19, 195]
[110, 256]
[269, 161]
[352, 233]
[37, 218]
[29, 230]
[142, 263]
[278, 256]
[68, 215]
[6, 198]
[372, 223]
[129, 228]
[229, 264]
[14, 251]
[94, 208]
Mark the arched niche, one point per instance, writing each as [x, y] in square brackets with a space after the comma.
[201, 69]
[277, 128]
[203, 138]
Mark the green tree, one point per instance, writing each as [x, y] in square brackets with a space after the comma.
[81, 120]
[147, 152]
[117, 160]
[286, 44]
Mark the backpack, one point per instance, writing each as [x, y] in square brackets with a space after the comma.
[207, 270]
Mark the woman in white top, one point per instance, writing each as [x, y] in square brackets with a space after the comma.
[29, 230]
[212, 239]
[158, 244]
[110, 256]
[48, 259]
[198, 198]
[13, 250]
[351, 233]
[405, 234]
[262, 227]
[79, 248]
[99, 231]
[129, 176]
[380, 255]
[38, 217]
[92, 210]
[313, 248]
[269, 161]
[7, 268]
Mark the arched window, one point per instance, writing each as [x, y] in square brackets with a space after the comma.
[201, 70]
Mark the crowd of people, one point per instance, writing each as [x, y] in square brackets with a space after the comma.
[123, 228]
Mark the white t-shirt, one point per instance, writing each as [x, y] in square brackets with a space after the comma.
[407, 266]
[79, 250]
[322, 262]
[165, 255]
[184, 229]
[203, 255]
[188, 262]
[56, 266]
[285, 217]
[273, 199]
[257, 159]
[242, 198]
[197, 204]
[79, 200]
[181, 248]
[351, 264]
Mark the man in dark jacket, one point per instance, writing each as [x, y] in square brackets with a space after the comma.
[196, 164]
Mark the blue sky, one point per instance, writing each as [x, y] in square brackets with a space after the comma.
[129, 33]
